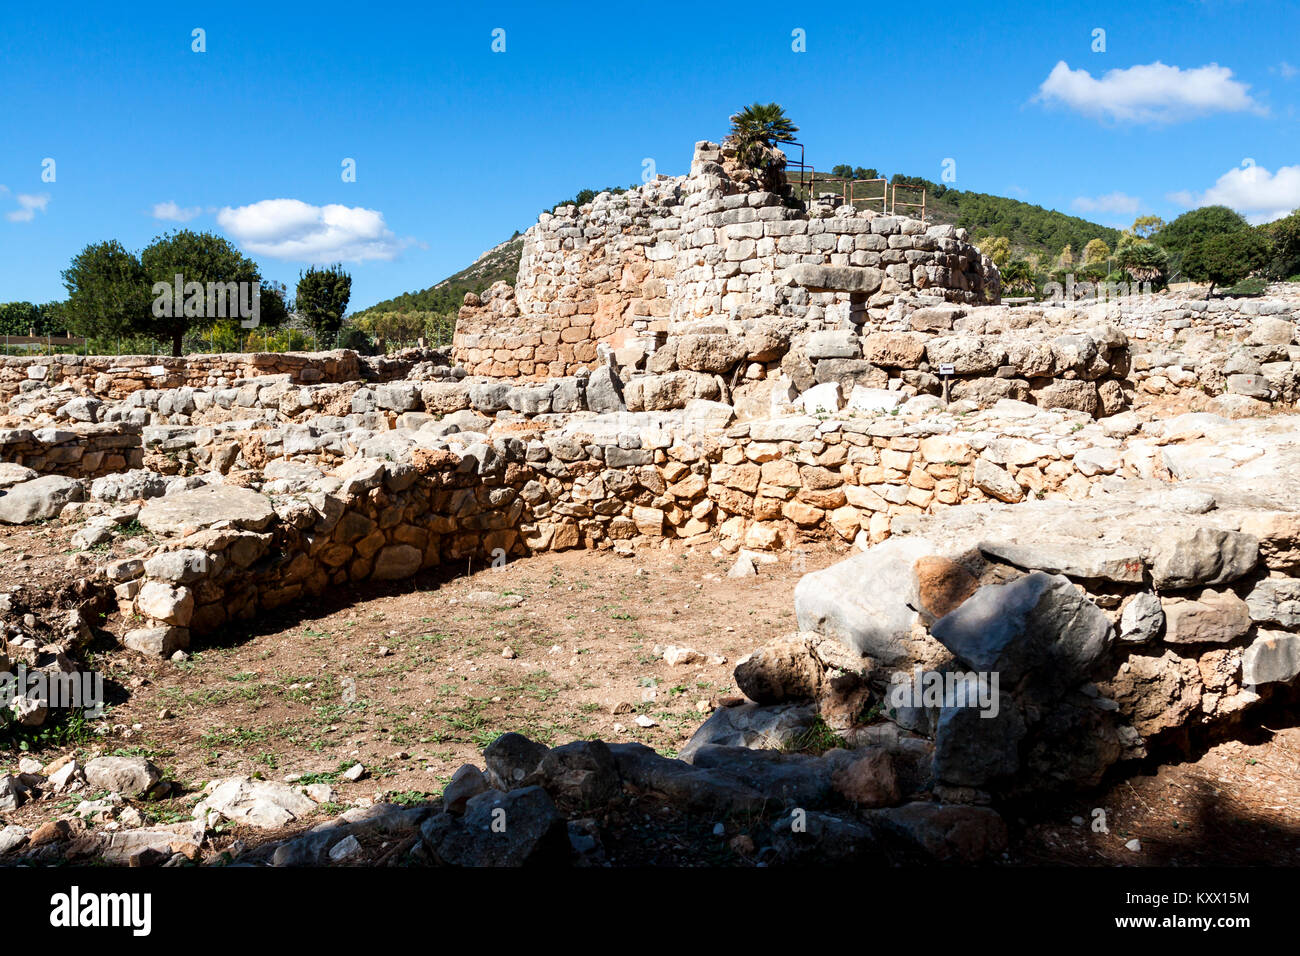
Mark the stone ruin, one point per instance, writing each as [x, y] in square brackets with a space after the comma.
[706, 253]
[1095, 502]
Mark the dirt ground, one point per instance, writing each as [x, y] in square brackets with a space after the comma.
[416, 679]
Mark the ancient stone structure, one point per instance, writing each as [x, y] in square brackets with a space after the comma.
[632, 268]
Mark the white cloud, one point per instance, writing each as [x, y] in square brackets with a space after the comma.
[1285, 69]
[1149, 93]
[1252, 190]
[170, 212]
[28, 206]
[295, 230]
[1113, 203]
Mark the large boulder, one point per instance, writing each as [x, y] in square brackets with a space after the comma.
[12, 473]
[397, 561]
[967, 354]
[832, 344]
[996, 482]
[867, 601]
[512, 761]
[761, 399]
[752, 725]
[129, 486]
[441, 398]
[691, 788]
[786, 669]
[582, 772]
[894, 349]
[709, 352]
[1274, 657]
[1155, 693]
[654, 393]
[1072, 394]
[1187, 557]
[1216, 617]
[1039, 631]
[605, 391]
[803, 780]
[39, 499]
[975, 745]
[516, 828]
[1275, 601]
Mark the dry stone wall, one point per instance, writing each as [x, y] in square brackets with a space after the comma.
[82, 451]
[117, 376]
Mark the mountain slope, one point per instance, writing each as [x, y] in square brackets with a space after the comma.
[499, 262]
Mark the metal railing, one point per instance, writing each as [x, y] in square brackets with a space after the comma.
[883, 198]
[808, 187]
[45, 342]
[894, 203]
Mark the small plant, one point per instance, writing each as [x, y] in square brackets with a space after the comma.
[817, 739]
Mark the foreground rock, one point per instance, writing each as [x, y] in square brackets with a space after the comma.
[38, 499]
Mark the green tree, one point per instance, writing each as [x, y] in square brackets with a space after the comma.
[1095, 252]
[1225, 258]
[842, 171]
[764, 123]
[1065, 261]
[111, 290]
[1018, 278]
[18, 318]
[108, 293]
[865, 173]
[52, 318]
[323, 296]
[997, 248]
[1192, 227]
[1284, 235]
[1145, 226]
[199, 257]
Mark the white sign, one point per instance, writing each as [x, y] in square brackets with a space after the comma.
[947, 369]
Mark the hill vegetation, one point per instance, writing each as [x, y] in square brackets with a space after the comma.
[1029, 229]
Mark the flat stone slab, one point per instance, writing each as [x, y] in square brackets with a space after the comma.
[1100, 563]
[816, 278]
[188, 511]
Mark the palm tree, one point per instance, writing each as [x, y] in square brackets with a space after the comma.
[762, 123]
[755, 131]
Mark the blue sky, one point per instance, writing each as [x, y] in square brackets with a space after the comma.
[457, 146]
